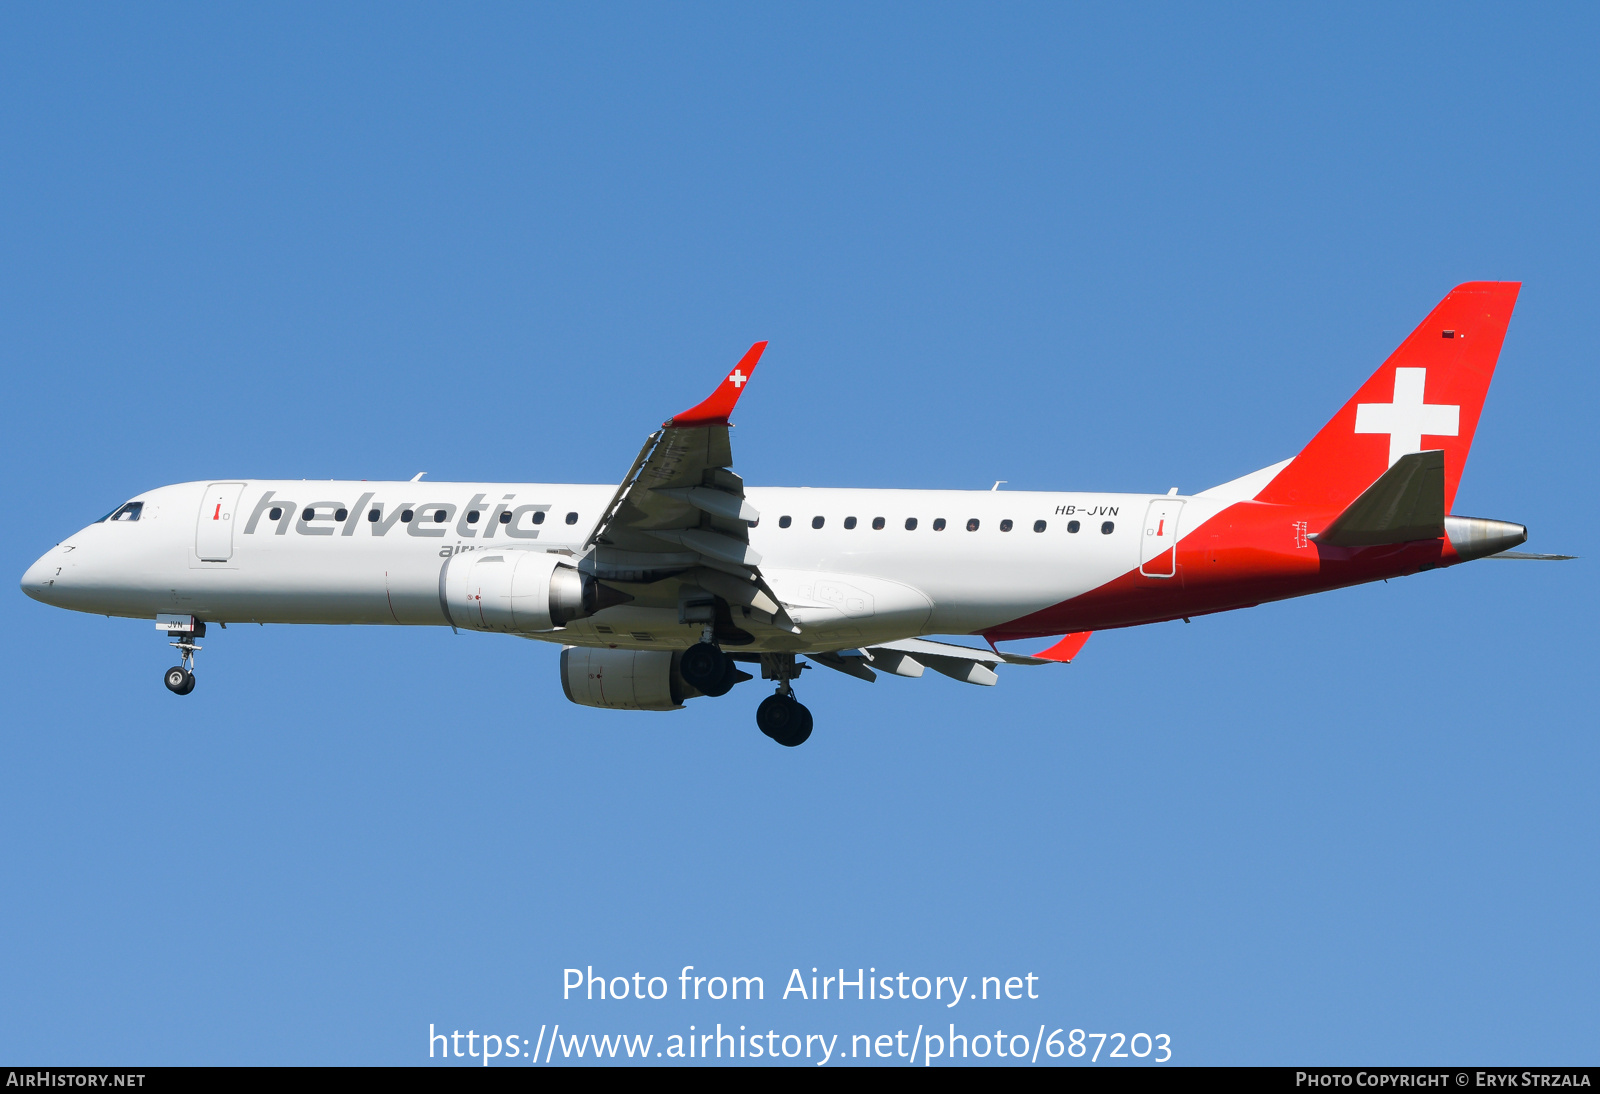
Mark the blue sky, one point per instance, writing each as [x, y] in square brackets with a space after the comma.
[1066, 247]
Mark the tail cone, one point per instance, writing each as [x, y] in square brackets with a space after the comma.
[1479, 537]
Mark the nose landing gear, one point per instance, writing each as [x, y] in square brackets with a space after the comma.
[180, 678]
[781, 716]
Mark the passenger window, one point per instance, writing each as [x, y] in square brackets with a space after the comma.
[375, 515]
[938, 524]
[505, 518]
[784, 522]
[754, 523]
[572, 518]
[816, 522]
[849, 522]
[438, 516]
[341, 514]
[277, 513]
[1107, 528]
[972, 525]
[538, 516]
[1038, 526]
[877, 524]
[911, 524]
[472, 516]
[1073, 526]
[309, 514]
[1005, 526]
[406, 515]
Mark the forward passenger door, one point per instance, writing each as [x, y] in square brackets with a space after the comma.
[213, 532]
[1158, 546]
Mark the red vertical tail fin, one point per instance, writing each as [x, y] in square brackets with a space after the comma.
[1428, 395]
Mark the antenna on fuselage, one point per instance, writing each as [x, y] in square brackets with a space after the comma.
[996, 485]
[418, 476]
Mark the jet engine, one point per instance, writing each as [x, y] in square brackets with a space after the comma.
[517, 591]
[623, 679]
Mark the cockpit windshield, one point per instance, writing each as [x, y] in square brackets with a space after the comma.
[129, 511]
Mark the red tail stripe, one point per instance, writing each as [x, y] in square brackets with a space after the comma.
[1455, 350]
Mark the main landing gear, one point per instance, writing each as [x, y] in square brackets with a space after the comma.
[785, 719]
[781, 716]
[180, 678]
[710, 671]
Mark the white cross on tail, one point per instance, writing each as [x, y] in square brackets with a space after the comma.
[738, 378]
[1408, 418]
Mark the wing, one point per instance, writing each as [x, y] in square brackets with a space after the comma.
[909, 656]
[678, 528]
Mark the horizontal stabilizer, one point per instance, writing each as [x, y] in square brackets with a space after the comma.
[1405, 504]
[1529, 556]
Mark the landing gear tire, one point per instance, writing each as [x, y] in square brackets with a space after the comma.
[705, 667]
[784, 719]
[179, 680]
[730, 676]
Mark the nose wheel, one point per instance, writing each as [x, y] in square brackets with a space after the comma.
[781, 716]
[180, 678]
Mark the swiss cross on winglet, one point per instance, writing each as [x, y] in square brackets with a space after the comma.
[715, 410]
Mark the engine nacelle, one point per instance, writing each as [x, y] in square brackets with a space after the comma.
[623, 679]
[518, 591]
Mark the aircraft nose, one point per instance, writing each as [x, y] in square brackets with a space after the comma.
[39, 581]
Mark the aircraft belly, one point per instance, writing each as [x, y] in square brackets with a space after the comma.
[958, 591]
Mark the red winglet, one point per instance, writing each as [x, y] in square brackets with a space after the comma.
[715, 410]
[1066, 649]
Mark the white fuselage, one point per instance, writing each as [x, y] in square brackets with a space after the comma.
[244, 552]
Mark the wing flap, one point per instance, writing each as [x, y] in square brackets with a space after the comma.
[719, 503]
[959, 668]
[711, 544]
[849, 665]
[896, 663]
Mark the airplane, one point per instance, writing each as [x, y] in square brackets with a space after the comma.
[659, 589]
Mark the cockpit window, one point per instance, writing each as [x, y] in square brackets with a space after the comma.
[129, 511]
